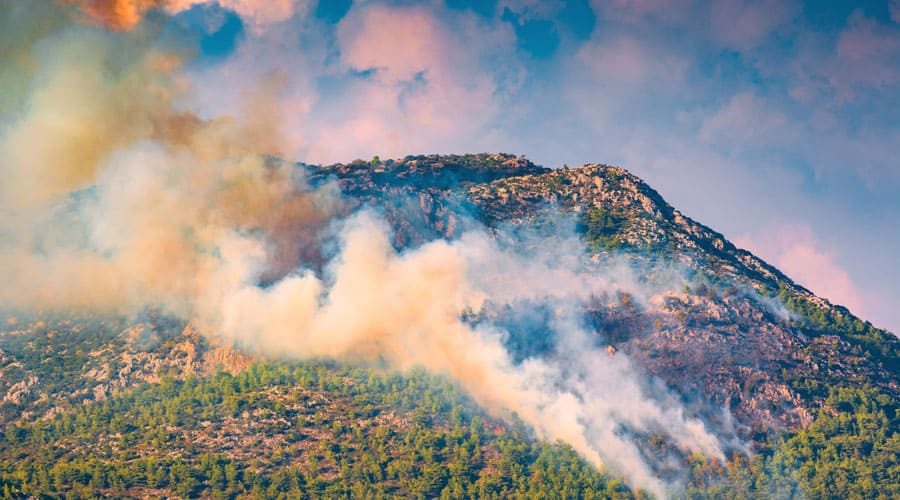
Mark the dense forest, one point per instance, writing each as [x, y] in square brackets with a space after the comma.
[331, 431]
[314, 430]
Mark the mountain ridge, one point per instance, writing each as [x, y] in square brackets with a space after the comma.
[505, 188]
[737, 341]
[619, 213]
[507, 167]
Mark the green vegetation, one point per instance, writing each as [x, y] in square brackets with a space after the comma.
[837, 320]
[58, 351]
[323, 430]
[850, 451]
[601, 229]
[279, 430]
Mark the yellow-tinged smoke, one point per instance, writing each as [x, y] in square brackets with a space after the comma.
[117, 14]
[115, 197]
[406, 310]
[160, 187]
[124, 15]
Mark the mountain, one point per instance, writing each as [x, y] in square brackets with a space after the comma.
[148, 406]
[713, 339]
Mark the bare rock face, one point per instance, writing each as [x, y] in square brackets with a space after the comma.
[421, 196]
[19, 390]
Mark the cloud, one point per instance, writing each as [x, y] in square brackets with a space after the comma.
[747, 120]
[531, 9]
[640, 11]
[795, 250]
[397, 43]
[417, 82]
[388, 80]
[744, 25]
[867, 55]
[614, 78]
[734, 24]
[629, 61]
[126, 14]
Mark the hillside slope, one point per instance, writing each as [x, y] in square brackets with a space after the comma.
[724, 337]
[734, 338]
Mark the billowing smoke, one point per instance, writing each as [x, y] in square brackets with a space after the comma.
[116, 198]
[152, 189]
[126, 14]
[407, 309]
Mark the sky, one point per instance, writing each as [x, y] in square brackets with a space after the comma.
[775, 122]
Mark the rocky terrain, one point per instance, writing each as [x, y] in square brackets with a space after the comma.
[53, 364]
[737, 335]
[744, 336]
[720, 340]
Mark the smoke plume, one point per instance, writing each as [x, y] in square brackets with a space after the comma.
[124, 15]
[115, 197]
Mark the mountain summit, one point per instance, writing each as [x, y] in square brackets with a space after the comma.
[770, 358]
[706, 337]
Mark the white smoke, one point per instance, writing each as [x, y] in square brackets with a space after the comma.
[407, 309]
[115, 200]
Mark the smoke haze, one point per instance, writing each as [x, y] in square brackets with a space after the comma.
[116, 197]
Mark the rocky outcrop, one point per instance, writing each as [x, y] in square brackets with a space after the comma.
[112, 357]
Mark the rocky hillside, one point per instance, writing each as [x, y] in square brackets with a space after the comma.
[52, 364]
[726, 337]
[738, 334]
[744, 336]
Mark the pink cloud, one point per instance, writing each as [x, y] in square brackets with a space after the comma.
[739, 24]
[796, 251]
[743, 25]
[258, 14]
[867, 53]
[432, 83]
[398, 43]
[431, 89]
[606, 77]
[670, 11]
[747, 119]
[530, 9]
[630, 61]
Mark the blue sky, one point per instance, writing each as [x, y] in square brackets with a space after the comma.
[776, 122]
